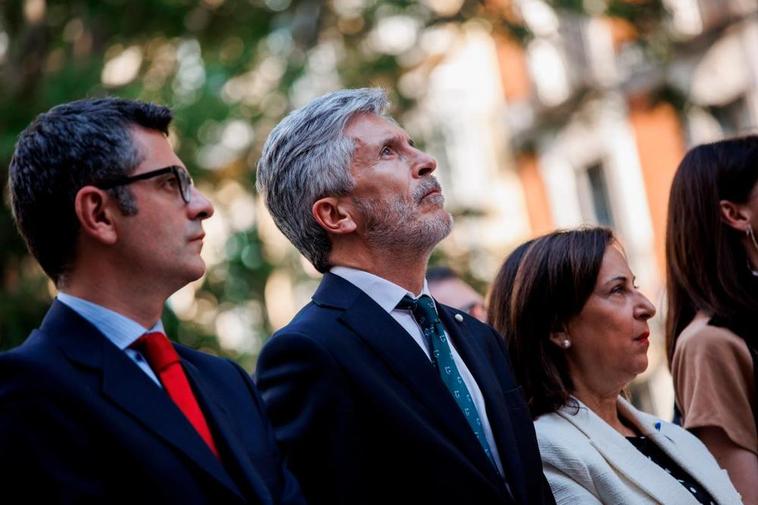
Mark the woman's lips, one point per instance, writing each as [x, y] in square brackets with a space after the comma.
[643, 338]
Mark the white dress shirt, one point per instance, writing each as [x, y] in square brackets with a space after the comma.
[387, 295]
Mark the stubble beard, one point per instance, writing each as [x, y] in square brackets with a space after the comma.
[398, 225]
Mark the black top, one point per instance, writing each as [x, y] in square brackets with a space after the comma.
[660, 458]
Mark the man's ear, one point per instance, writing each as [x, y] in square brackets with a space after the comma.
[333, 215]
[735, 215]
[95, 214]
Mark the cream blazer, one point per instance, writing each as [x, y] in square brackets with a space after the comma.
[587, 461]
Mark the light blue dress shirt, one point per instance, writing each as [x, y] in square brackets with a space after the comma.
[120, 330]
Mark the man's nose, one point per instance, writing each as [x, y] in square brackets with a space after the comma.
[199, 206]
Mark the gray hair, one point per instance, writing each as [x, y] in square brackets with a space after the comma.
[306, 157]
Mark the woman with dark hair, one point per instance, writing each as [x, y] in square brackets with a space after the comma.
[712, 281]
[577, 332]
[502, 287]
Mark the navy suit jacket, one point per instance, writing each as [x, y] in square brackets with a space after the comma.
[364, 418]
[81, 423]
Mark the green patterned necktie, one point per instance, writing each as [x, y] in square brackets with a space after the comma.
[442, 358]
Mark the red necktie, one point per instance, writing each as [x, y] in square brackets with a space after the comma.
[164, 361]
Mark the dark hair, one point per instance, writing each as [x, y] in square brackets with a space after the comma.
[502, 288]
[707, 263]
[440, 273]
[554, 279]
[61, 151]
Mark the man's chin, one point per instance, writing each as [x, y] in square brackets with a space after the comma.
[195, 272]
[438, 226]
[445, 222]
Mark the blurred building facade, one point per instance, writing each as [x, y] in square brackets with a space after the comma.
[585, 123]
[582, 122]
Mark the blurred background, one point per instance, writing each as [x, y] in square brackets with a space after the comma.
[542, 114]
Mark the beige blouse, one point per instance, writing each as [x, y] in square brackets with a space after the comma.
[713, 379]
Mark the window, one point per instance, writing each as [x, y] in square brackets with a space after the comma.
[733, 118]
[594, 197]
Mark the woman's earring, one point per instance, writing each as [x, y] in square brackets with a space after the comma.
[749, 232]
[751, 235]
[565, 343]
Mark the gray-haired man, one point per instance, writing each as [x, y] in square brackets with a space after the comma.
[377, 394]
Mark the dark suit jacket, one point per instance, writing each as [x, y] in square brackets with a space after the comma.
[365, 419]
[81, 423]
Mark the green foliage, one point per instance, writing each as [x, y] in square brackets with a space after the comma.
[189, 56]
[212, 62]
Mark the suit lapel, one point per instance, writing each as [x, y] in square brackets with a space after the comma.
[122, 383]
[627, 460]
[405, 360]
[669, 441]
[408, 364]
[502, 429]
[219, 418]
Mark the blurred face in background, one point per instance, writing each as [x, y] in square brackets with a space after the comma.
[459, 295]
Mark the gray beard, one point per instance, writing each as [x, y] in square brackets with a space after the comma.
[390, 225]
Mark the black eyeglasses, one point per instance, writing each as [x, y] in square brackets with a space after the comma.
[181, 174]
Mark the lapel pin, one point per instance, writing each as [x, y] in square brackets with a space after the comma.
[459, 318]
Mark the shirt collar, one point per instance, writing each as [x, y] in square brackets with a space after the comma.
[116, 327]
[385, 293]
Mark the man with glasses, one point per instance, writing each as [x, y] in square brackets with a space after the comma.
[98, 406]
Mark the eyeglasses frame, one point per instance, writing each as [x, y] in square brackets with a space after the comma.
[182, 176]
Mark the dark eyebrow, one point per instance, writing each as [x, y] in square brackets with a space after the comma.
[616, 278]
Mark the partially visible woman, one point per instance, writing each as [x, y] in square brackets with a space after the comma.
[502, 287]
[712, 284]
[577, 333]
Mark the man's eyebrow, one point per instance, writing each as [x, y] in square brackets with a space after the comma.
[397, 138]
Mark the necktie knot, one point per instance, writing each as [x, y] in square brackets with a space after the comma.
[422, 308]
[157, 350]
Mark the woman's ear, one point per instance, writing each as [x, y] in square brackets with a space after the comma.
[561, 338]
[333, 215]
[735, 215]
[95, 215]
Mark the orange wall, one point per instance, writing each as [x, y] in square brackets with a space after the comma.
[537, 205]
[660, 145]
[514, 73]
